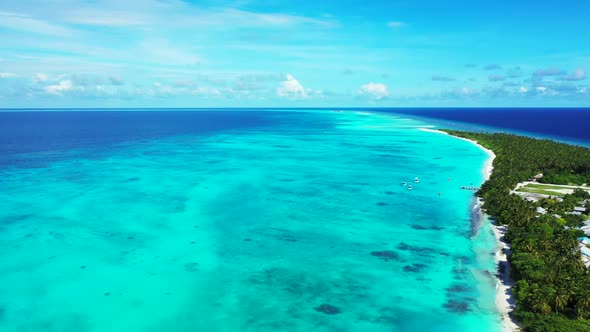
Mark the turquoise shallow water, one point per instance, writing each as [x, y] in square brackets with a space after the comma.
[251, 229]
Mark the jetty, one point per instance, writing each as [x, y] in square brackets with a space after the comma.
[470, 188]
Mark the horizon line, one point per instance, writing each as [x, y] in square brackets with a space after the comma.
[290, 108]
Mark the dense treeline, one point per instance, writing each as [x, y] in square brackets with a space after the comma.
[552, 288]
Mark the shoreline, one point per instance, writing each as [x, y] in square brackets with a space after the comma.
[504, 298]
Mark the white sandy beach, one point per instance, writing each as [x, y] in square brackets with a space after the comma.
[504, 298]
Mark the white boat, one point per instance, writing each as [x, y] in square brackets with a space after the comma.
[404, 184]
[416, 180]
[409, 187]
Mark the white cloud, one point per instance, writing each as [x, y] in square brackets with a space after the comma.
[20, 22]
[57, 89]
[115, 80]
[162, 52]
[395, 24]
[466, 91]
[442, 78]
[540, 73]
[577, 75]
[460, 93]
[112, 17]
[523, 89]
[206, 91]
[7, 75]
[270, 19]
[170, 13]
[291, 88]
[374, 90]
[496, 78]
[548, 91]
[147, 37]
[40, 77]
[541, 89]
[167, 89]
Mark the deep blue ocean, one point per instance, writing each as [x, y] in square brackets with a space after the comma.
[36, 131]
[571, 125]
[60, 133]
[249, 220]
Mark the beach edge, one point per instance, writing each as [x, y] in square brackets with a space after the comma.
[504, 283]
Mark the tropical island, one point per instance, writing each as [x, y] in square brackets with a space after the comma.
[537, 193]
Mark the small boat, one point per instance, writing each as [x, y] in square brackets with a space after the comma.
[404, 184]
[409, 187]
[416, 180]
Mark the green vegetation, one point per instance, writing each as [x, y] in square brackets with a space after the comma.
[552, 287]
[528, 189]
[581, 193]
[549, 186]
[546, 189]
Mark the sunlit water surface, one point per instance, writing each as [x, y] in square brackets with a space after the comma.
[295, 222]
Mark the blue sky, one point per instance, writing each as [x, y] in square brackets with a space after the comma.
[172, 53]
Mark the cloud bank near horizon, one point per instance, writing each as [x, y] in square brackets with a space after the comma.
[176, 53]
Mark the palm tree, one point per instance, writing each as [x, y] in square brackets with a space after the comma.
[542, 307]
[583, 305]
[560, 302]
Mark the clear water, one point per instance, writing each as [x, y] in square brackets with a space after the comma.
[249, 227]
